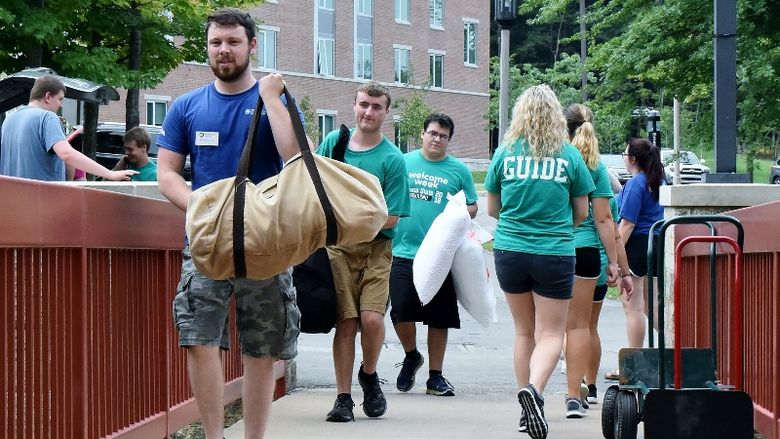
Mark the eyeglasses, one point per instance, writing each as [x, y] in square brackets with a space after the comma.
[625, 154]
[442, 137]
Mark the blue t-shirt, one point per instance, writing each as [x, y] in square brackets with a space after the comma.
[212, 128]
[638, 205]
[28, 138]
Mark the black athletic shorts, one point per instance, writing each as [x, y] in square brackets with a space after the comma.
[599, 293]
[588, 263]
[636, 251]
[441, 312]
[548, 276]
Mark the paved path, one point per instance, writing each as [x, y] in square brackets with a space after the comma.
[478, 363]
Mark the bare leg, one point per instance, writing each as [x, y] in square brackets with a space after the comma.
[595, 345]
[208, 386]
[257, 394]
[372, 337]
[407, 334]
[437, 345]
[550, 317]
[635, 314]
[344, 354]
[578, 334]
[522, 308]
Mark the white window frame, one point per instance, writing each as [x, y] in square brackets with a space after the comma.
[469, 22]
[431, 54]
[397, 129]
[432, 15]
[322, 113]
[396, 70]
[261, 48]
[362, 5]
[402, 20]
[326, 4]
[361, 49]
[151, 117]
[332, 52]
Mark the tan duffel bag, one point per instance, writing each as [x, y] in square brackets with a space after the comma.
[314, 201]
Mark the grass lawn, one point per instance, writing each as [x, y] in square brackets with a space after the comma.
[760, 174]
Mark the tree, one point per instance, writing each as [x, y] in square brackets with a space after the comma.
[310, 118]
[413, 111]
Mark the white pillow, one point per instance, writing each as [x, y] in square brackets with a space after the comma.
[434, 258]
[470, 277]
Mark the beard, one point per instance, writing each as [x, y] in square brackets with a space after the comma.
[228, 74]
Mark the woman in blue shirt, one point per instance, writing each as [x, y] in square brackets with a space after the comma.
[639, 209]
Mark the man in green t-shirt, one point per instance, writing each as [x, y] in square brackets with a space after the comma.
[136, 156]
[361, 272]
[432, 174]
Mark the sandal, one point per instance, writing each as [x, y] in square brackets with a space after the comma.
[613, 375]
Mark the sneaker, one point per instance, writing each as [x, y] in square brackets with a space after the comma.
[533, 405]
[592, 394]
[574, 408]
[439, 386]
[409, 368]
[374, 403]
[523, 426]
[342, 409]
[584, 396]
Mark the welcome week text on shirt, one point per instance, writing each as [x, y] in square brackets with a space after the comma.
[426, 187]
[522, 168]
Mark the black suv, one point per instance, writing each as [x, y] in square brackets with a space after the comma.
[110, 146]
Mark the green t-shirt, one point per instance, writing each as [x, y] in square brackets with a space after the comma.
[586, 235]
[536, 212]
[147, 172]
[386, 162]
[429, 184]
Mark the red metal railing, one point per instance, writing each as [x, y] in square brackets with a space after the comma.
[761, 306]
[87, 345]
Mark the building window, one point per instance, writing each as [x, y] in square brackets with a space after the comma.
[365, 7]
[326, 122]
[437, 14]
[266, 47]
[402, 11]
[401, 143]
[402, 64]
[155, 112]
[436, 69]
[326, 30]
[470, 43]
[364, 39]
[363, 61]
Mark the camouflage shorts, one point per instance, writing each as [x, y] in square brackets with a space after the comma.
[267, 316]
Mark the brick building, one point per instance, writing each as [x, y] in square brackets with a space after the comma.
[326, 48]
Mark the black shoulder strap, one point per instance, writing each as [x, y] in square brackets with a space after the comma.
[340, 148]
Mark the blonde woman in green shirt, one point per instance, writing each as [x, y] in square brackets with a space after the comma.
[538, 186]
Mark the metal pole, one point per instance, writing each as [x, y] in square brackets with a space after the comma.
[503, 92]
[725, 86]
[676, 128]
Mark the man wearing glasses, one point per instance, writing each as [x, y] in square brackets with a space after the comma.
[432, 175]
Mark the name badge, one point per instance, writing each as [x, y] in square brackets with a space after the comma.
[206, 138]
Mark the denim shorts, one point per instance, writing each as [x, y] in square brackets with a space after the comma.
[267, 316]
[548, 276]
[441, 312]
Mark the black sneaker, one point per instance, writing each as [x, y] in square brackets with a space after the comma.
[342, 409]
[574, 408]
[523, 426]
[533, 406]
[374, 403]
[439, 386]
[593, 397]
[409, 368]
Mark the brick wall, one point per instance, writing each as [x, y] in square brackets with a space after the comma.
[464, 96]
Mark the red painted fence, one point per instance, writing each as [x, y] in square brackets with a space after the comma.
[761, 305]
[87, 345]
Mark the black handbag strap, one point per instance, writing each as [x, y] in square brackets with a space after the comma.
[242, 176]
[340, 148]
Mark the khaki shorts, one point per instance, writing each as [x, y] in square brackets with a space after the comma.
[361, 275]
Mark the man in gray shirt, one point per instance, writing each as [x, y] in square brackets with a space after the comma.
[34, 145]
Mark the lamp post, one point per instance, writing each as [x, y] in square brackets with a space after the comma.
[506, 13]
